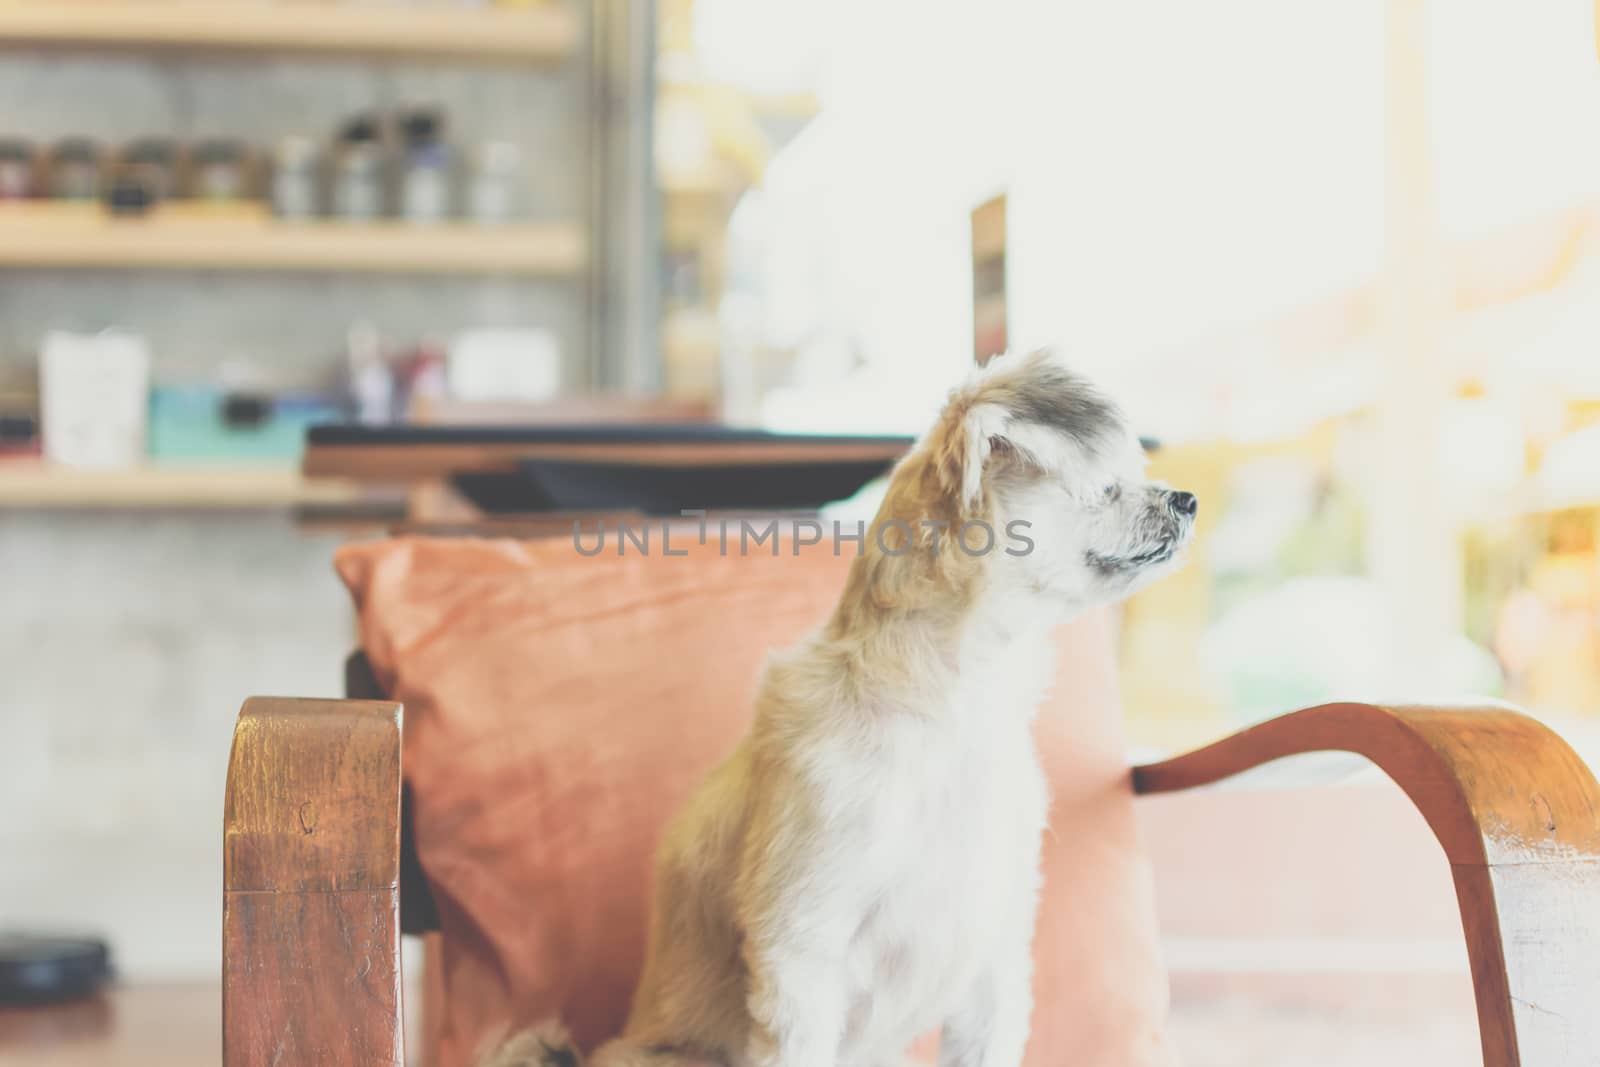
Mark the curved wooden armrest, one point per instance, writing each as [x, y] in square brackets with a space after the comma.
[1518, 815]
[311, 908]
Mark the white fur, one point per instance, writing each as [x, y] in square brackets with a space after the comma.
[864, 867]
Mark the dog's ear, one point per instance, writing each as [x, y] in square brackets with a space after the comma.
[972, 438]
[1020, 411]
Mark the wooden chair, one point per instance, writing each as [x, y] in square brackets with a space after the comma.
[320, 879]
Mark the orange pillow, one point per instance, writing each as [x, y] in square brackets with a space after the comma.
[560, 707]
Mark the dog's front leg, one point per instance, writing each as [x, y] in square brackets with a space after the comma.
[799, 903]
[990, 1029]
[796, 921]
[797, 1007]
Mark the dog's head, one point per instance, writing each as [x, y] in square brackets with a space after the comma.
[1050, 465]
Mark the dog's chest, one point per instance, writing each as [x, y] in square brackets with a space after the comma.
[954, 867]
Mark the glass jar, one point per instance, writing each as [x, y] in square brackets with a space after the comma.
[129, 192]
[295, 165]
[16, 170]
[425, 181]
[155, 160]
[492, 193]
[359, 168]
[218, 173]
[75, 169]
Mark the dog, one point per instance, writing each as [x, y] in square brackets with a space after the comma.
[865, 866]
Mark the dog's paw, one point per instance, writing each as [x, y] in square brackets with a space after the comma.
[545, 1045]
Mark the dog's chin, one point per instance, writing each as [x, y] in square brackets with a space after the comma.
[1138, 567]
[1171, 554]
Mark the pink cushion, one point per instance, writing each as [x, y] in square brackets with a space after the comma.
[558, 710]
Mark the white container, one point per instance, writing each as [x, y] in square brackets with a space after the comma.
[296, 178]
[494, 365]
[492, 190]
[93, 396]
[425, 168]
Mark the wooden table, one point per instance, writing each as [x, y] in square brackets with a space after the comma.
[416, 453]
[466, 472]
[139, 1026]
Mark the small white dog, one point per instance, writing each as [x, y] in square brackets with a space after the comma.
[864, 867]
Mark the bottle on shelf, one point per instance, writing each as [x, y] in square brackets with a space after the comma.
[367, 372]
[296, 178]
[154, 160]
[492, 190]
[130, 192]
[425, 174]
[220, 172]
[75, 165]
[360, 163]
[16, 170]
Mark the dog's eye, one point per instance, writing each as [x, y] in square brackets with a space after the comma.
[1112, 491]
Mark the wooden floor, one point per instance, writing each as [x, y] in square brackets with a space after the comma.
[180, 1026]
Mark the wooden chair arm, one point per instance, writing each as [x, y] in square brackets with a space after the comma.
[1518, 815]
[311, 890]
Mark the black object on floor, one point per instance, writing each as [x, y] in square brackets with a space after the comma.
[42, 969]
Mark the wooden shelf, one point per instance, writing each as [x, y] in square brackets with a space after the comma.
[541, 33]
[30, 239]
[33, 484]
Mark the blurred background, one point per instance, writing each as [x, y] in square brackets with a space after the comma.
[1341, 260]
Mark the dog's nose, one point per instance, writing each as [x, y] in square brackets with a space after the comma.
[1183, 503]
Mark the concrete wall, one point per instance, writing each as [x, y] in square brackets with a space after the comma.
[128, 641]
[127, 644]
